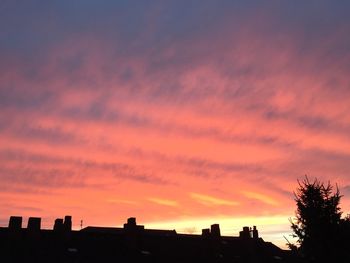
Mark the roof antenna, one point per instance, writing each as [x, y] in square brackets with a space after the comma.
[81, 224]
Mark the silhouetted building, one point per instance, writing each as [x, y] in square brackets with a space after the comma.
[132, 243]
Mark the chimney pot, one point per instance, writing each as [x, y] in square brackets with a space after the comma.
[15, 222]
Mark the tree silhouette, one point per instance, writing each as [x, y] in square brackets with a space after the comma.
[318, 225]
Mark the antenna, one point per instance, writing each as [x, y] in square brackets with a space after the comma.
[289, 244]
[81, 224]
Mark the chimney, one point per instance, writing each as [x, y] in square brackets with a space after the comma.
[215, 230]
[15, 223]
[132, 226]
[67, 223]
[245, 233]
[255, 233]
[58, 226]
[206, 232]
[131, 221]
[34, 223]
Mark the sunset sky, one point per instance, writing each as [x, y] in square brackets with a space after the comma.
[180, 113]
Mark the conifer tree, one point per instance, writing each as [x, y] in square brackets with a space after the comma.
[318, 221]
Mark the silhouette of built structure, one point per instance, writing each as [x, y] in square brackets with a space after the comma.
[131, 243]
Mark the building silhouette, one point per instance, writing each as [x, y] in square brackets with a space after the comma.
[131, 243]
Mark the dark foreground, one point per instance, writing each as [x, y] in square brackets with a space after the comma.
[132, 243]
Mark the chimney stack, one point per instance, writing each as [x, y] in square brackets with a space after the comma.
[34, 223]
[255, 233]
[15, 223]
[215, 230]
[206, 232]
[58, 226]
[67, 223]
[245, 233]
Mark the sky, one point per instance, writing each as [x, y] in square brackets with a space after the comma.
[180, 113]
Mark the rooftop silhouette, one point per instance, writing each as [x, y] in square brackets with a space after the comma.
[130, 243]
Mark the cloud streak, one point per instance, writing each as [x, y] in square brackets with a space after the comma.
[211, 201]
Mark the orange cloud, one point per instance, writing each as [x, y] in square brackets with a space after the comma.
[164, 202]
[212, 201]
[261, 197]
